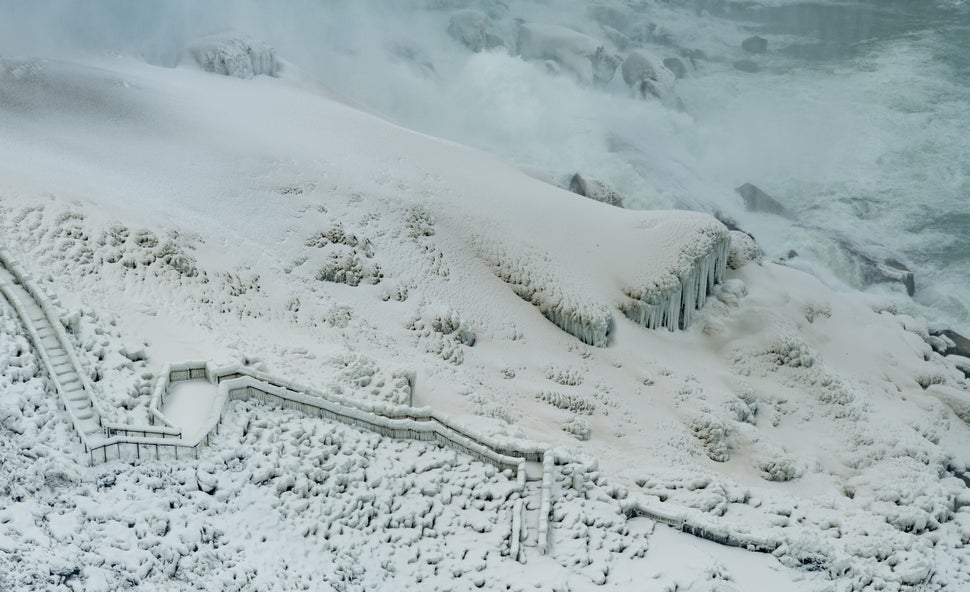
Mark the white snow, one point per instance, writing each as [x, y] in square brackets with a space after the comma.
[261, 223]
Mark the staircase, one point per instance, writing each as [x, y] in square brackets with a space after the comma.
[51, 344]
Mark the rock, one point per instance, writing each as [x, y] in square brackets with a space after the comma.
[648, 75]
[957, 344]
[594, 189]
[232, 54]
[586, 57]
[757, 200]
[744, 250]
[876, 268]
[472, 29]
[755, 44]
[747, 66]
[676, 66]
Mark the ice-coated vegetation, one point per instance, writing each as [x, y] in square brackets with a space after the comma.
[530, 275]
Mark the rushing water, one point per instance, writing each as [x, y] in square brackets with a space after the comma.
[857, 119]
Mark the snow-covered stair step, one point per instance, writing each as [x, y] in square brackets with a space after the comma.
[84, 413]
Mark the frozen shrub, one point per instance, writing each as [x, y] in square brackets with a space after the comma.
[573, 403]
[714, 435]
[578, 427]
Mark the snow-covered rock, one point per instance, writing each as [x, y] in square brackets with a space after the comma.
[648, 75]
[581, 54]
[232, 54]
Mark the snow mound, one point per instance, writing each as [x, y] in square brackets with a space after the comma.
[232, 54]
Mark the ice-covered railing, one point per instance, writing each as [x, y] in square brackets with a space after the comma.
[689, 522]
[50, 313]
[238, 382]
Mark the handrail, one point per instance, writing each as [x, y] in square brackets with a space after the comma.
[56, 325]
[42, 352]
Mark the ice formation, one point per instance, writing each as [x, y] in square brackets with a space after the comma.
[529, 275]
[672, 299]
[586, 57]
[232, 54]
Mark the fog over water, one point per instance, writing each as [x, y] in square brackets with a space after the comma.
[856, 120]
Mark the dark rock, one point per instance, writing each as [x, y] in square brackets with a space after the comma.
[755, 44]
[676, 66]
[878, 269]
[757, 200]
[595, 190]
[792, 254]
[747, 66]
[961, 345]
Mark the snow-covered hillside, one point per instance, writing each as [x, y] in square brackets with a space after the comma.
[184, 215]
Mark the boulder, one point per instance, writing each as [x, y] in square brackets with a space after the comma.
[957, 345]
[756, 200]
[473, 29]
[744, 250]
[648, 75]
[878, 268]
[232, 54]
[755, 44]
[676, 65]
[595, 190]
[586, 57]
[747, 66]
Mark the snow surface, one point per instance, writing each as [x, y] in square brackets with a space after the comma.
[259, 221]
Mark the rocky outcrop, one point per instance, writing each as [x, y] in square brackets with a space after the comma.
[756, 200]
[595, 190]
[232, 54]
[878, 268]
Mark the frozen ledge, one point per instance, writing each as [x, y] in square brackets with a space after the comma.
[671, 299]
[232, 54]
[661, 278]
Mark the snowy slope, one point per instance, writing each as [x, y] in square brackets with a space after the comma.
[259, 220]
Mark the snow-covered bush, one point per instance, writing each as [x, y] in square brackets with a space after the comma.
[714, 435]
[572, 403]
[578, 427]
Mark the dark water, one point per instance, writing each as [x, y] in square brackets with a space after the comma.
[923, 201]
